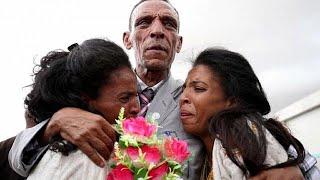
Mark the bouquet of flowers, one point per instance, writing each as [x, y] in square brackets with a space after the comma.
[140, 154]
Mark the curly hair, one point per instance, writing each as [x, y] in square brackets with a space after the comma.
[63, 78]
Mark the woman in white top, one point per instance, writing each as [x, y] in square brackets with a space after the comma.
[95, 76]
[223, 103]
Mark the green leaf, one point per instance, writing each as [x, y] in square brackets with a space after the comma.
[141, 173]
[123, 143]
[113, 165]
[177, 166]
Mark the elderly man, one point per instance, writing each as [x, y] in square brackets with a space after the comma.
[154, 36]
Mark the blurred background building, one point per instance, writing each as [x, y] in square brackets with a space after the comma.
[302, 118]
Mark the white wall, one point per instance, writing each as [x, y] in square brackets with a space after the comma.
[303, 119]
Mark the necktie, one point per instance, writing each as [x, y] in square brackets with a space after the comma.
[145, 98]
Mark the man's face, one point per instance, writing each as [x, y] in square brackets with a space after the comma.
[154, 35]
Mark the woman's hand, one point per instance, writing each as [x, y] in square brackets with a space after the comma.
[292, 172]
[90, 132]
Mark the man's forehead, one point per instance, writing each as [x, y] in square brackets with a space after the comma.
[154, 8]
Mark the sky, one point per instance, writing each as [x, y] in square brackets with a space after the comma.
[280, 38]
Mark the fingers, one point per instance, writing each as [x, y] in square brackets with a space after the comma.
[92, 134]
[102, 137]
[87, 149]
[51, 130]
[108, 130]
[101, 148]
[103, 144]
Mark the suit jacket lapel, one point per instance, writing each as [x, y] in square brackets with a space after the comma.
[164, 102]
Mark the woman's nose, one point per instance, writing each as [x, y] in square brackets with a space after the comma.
[134, 107]
[184, 98]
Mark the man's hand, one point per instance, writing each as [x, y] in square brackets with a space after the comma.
[91, 133]
[287, 173]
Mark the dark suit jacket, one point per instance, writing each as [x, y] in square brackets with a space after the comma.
[5, 170]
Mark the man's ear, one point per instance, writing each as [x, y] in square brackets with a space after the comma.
[179, 44]
[126, 40]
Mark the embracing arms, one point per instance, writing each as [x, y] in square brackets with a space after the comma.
[95, 137]
[91, 133]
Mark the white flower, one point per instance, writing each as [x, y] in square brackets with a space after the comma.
[155, 116]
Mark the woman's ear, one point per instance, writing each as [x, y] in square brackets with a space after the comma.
[126, 40]
[231, 102]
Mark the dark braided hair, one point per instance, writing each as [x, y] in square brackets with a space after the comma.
[241, 86]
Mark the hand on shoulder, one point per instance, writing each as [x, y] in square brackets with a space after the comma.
[90, 132]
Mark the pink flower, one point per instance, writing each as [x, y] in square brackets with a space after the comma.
[139, 126]
[159, 172]
[152, 154]
[176, 150]
[120, 172]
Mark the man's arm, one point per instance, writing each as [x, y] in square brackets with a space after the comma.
[24, 139]
[91, 133]
[308, 166]
[306, 170]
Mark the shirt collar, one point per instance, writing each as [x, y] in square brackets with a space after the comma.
[142, 86]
